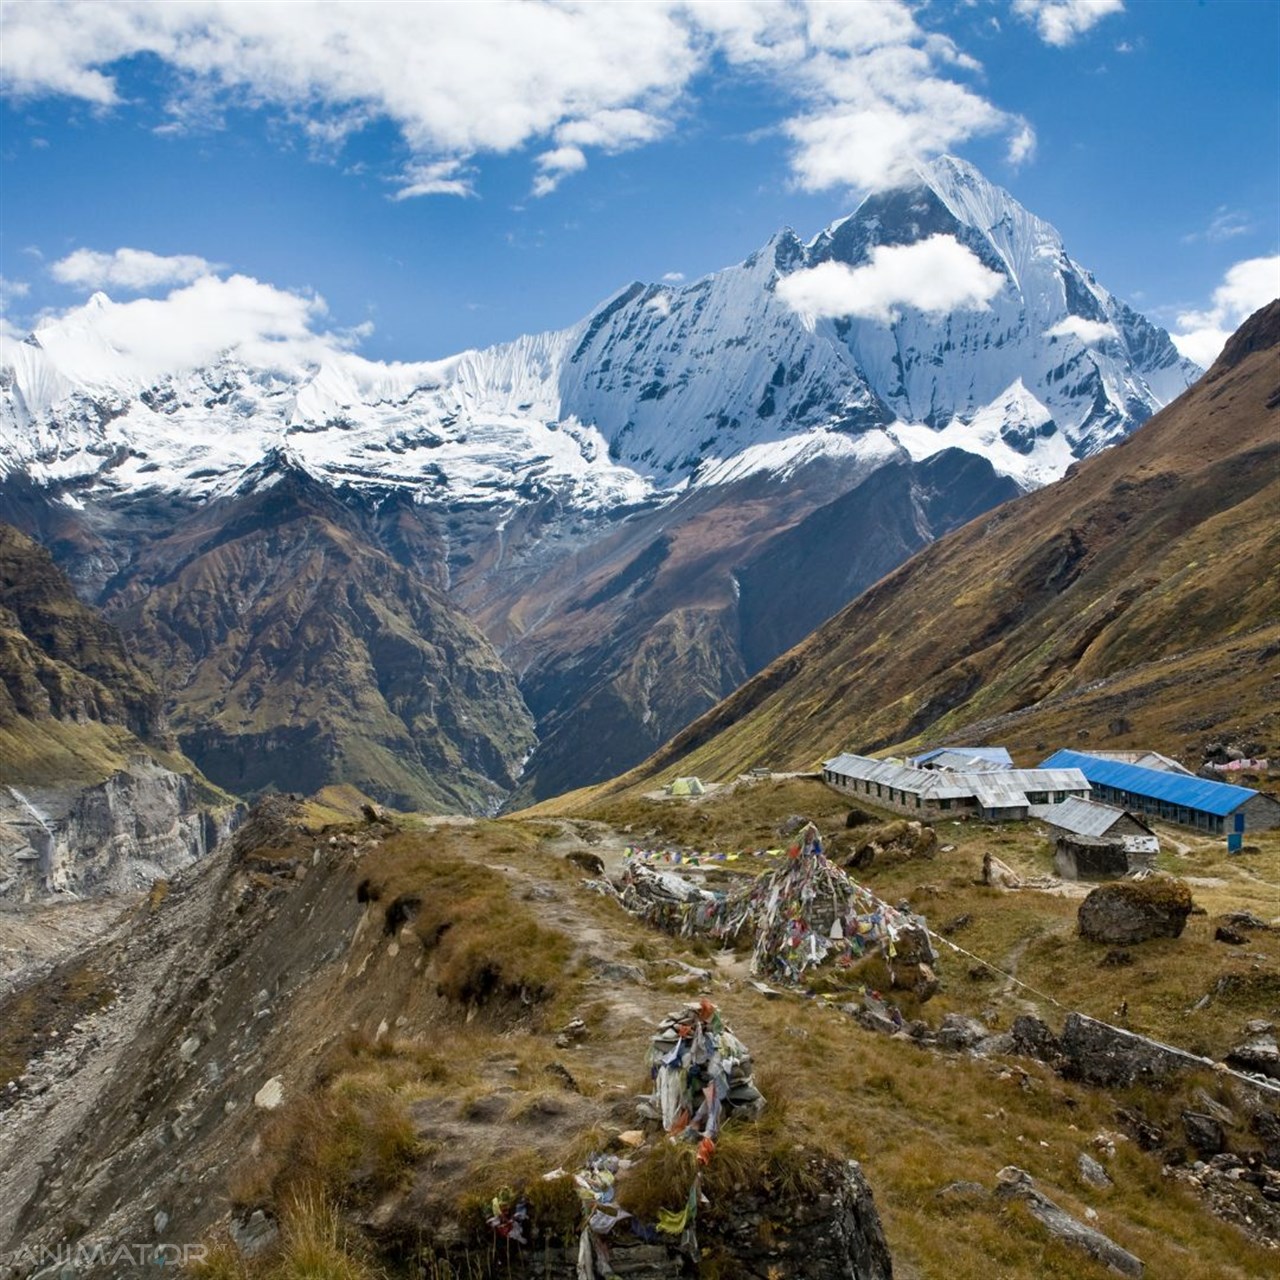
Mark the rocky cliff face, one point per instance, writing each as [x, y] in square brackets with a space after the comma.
[139, 825]
[297, 650]
[94, 796]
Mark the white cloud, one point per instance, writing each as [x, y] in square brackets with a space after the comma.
[1022, 144]
[435, 178]
[1062, 22]
[1225, 224]
[10, 289]
[1090, 332]
[672, 277]
[136, 270]
[872, 91]
[934, 275]
[555, 166]
[190, 327]
[1248, 285]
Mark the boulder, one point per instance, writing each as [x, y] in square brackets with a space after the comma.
[1130, 911]
[1204, 1133]
[1013, 1183]
[1092, 1172]
[1033, 1038]
[1099, 1053]
[960, 1032]
[998, 874]
[1259, 1054]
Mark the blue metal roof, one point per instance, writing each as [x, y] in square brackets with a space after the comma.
[1218, 798]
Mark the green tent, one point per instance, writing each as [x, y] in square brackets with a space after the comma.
[686, 787]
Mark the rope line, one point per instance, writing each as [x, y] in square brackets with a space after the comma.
[1026, 986]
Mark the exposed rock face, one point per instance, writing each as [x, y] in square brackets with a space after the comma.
[297, 652]
[1105, 1055]
[141, 824]
[85, 805]
[1134, 911]
[59, 659]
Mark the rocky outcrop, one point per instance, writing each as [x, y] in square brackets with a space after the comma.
[88, 801]
[1135, 910]
[1016, 1184]
[140, 824]
[1105, 1055]
[1259, 1053]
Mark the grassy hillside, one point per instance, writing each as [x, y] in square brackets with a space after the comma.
[423, 977]
[1132, 603]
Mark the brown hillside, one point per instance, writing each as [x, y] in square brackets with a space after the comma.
[1133, 601]
[72, 698]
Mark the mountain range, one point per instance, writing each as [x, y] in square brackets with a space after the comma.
[1135, 601]
[519, 570]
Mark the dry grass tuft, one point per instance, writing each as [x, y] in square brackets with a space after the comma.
[345, 1147]
[485, 945]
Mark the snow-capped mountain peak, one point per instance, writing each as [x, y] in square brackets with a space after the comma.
[661, 387]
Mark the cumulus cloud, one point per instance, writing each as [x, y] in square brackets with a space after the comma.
[1062, 22]
[871, 91]
[672, 277]
[1090, 332]
[136, 270]
[1201, 335]
[9, 290]
[936, 275]
[556, 165]
[190, 327]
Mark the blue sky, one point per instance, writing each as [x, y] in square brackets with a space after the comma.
[447, 176]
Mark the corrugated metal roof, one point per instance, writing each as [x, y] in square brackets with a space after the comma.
[994, 755]
[1081, 817]
[926, 783]
[1219, 798]
[959, 761]
[1145, 759]
[994, 789]
[1007, 788]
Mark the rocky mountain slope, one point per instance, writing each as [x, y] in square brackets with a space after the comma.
[589, 496]
[1135, 601]
[94, 794]
[296, 649]
[331, 1050]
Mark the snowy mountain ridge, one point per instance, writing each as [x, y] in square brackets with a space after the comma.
[660, 390]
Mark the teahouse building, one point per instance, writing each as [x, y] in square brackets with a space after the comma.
[996, 794]
[1215, 807]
